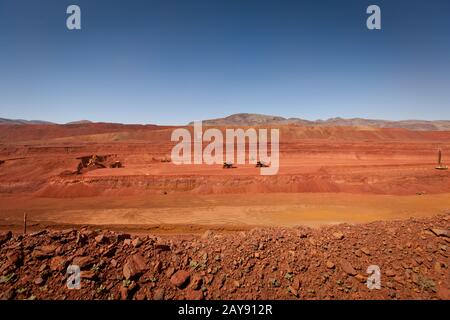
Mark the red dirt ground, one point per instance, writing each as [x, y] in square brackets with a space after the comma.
[327, 175]
[270, 263]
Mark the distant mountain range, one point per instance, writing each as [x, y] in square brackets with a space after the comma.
[251, 119]
[21, 121]
[79, 122]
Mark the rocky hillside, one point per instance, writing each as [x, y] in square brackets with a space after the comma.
[299, 263]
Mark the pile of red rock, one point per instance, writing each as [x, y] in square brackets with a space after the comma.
[297, 263]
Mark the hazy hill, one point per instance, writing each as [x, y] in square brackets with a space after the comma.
[80, 122]
[250, 119]
[21, 121]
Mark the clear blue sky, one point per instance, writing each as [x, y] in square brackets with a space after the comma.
[170, 62]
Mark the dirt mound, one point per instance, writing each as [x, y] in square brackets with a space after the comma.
[109, 132]
[14, 133]
[299, 263]
[426, 181]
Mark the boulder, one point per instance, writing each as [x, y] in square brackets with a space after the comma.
[134, 266]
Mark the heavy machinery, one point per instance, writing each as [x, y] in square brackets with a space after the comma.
[440, 166]
[116, 164]
[96, 161]
[93, 162]
[228, 165]
[261, 164]
[89, 163]
[161, 159]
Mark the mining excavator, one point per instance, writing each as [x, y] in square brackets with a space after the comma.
[93, 162]
[440, 166]
[96, 161]
[90, 162]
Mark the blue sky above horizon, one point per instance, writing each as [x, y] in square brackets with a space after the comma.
[174, 61]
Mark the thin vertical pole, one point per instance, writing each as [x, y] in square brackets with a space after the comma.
[24, 223]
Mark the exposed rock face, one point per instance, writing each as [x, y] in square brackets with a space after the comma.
[277, 263]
